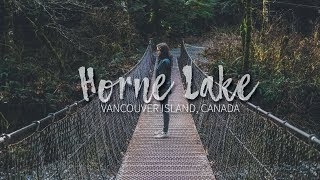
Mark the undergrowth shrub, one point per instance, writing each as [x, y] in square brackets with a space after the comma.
[287, 65]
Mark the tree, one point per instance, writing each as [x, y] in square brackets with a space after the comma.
[247, 35]
[265, 14]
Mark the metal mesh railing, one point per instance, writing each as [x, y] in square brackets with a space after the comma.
[251, 143]
[78, 142]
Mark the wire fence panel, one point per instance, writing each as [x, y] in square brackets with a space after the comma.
[85, 143]
[247, 144]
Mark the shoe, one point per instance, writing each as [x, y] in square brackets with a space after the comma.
[161, 135]
[157, 132]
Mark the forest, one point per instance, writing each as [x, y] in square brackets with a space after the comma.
[44, 42]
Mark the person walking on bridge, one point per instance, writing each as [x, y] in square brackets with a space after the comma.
[164, 67]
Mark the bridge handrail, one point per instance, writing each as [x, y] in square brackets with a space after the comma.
[34, 126]
[310, 137]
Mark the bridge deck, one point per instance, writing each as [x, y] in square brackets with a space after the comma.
[181, 156]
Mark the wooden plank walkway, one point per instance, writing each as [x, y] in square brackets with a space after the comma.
[181, 156]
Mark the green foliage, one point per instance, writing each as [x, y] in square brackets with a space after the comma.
[227, 12]
[200, 9]
[176, 18]
[287, 67]
[43, 44]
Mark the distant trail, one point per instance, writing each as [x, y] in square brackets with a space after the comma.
[195, 51]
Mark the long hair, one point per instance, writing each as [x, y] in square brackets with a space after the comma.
[164, 51]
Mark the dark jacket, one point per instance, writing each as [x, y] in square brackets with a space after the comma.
[164, 67]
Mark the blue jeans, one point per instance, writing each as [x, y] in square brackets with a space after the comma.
[165, 114]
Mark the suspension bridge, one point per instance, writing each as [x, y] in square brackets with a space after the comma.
[83, 142]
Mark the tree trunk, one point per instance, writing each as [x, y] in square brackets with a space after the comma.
[248, 33]
[157, 18]
[265, 15]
